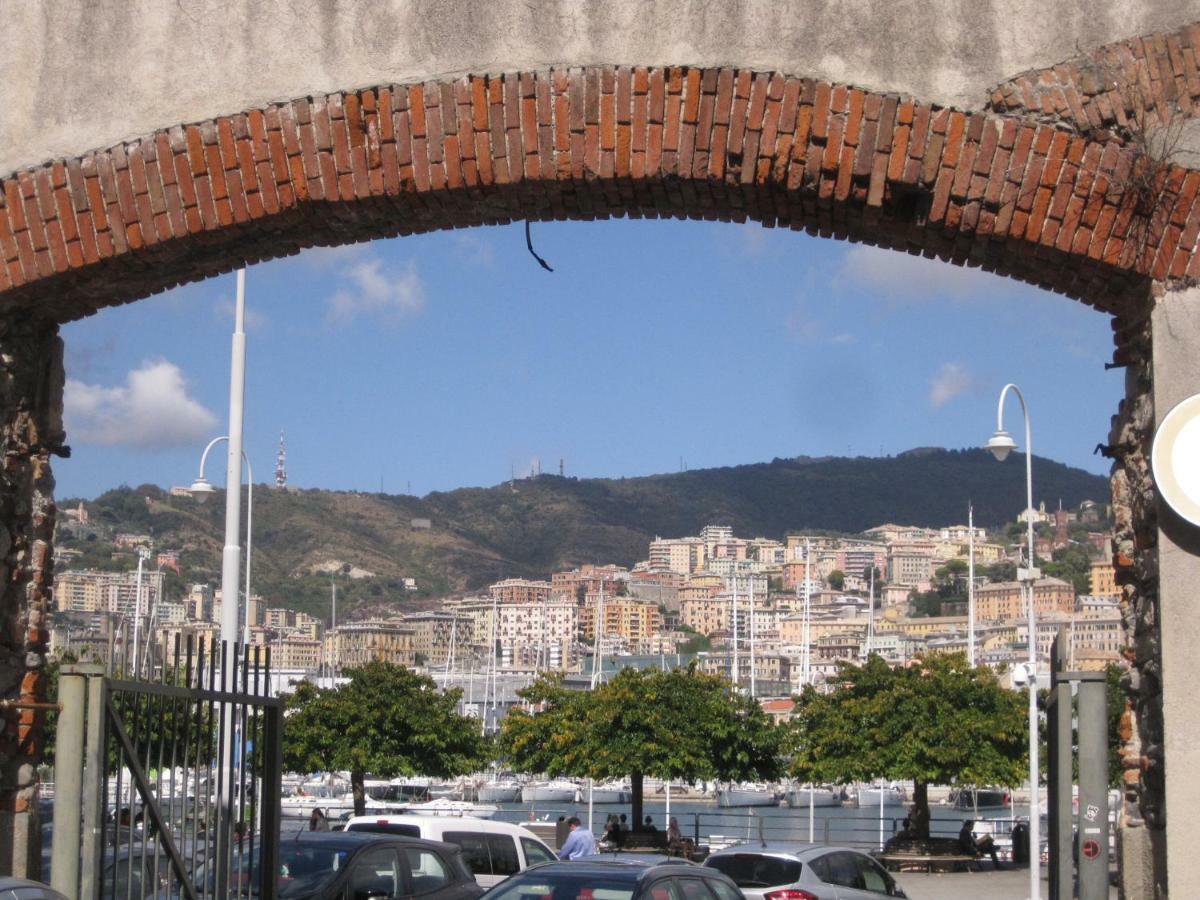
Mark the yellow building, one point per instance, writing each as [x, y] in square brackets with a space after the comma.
[355, 644]
[1004, 599]
[623, 616]
[1103, 579]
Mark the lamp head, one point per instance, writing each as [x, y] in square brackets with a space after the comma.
[201, 488]
[1001, 444]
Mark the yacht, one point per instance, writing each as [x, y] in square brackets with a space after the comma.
[609, 792]
[549, 792]
[747, 794]
[506, 791]
[801, 797]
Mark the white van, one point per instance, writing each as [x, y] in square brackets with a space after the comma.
[491, 850]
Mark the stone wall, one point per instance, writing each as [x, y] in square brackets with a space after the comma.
[31, 389]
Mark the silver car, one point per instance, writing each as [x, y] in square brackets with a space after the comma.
[786, 871]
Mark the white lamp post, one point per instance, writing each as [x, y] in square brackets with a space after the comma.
[1001, 444]
[200, 489]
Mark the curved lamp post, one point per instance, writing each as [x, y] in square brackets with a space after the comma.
[200, 489]
[1001, 444]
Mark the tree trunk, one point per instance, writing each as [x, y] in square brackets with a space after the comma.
[635, 786]
[919, 816]
[358, 787]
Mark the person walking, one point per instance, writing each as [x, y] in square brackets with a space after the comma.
[580, 843]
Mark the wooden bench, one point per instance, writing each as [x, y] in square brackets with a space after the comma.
[916, 853]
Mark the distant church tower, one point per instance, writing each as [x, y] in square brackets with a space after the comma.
[281, 465]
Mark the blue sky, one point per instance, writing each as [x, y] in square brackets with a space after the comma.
[429, 363]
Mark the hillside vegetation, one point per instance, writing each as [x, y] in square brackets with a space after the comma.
[532, 527]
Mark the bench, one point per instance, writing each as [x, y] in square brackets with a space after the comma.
[915, 853]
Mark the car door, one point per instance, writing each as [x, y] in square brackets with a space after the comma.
[476, 853]
[375, 874]
[432, 877]
[873, 882]
[535, 852]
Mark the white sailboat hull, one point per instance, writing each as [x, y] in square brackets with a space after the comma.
[745, 796]
[498, 793]
[799, 798]
[548, 793]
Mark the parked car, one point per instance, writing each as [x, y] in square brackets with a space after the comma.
[23, 889]
[491, 850]
[617, 879]
[804, 872]
[324, 865]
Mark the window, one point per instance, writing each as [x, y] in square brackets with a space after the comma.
[755, 870]
[820, 867]
[536, 852]
[375, 875]
[504, 855]
[692, 889]
[661, 890]
[386, 828]
[474, 850]
[844, 870]
[427, 870]
[722, 890]
[873, 878]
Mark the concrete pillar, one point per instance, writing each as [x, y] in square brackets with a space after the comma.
[31, 388]
[1175, 325]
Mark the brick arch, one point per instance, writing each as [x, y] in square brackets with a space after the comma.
[1025, 198]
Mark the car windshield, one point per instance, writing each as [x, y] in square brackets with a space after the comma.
[753, 870]
[564, 885]
[303, 869]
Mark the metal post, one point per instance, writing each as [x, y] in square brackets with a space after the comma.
[1061, 755]
[68, 781]
[93, 787]
[1093, 786]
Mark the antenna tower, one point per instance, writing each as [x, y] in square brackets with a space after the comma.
[281, 465]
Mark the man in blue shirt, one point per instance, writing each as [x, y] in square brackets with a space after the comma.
[579, 842]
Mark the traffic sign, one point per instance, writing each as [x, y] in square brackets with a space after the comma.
[1091, 849]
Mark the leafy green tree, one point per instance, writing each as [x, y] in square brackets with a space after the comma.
[386, 720]
[1073, 564]
[934, 722]
[837, 579]
[677, 724]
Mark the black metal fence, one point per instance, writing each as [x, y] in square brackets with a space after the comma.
[182, 760]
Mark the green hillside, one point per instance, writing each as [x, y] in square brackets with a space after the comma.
[533, 527]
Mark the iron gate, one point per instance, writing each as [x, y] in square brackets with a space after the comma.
[180, 785]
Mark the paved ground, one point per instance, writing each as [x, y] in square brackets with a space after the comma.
[1008, 884]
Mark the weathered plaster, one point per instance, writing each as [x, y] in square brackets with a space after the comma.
[77, 75]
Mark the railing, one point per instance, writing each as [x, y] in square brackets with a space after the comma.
[172, 779]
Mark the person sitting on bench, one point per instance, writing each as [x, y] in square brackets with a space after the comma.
[969, 845]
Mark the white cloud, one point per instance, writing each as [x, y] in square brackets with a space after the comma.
[476, 249]
[951, 380]
[374, 291]
[152, 410]
[898, 276]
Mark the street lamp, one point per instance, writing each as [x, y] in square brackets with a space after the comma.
[200, 490]
[1001, 444]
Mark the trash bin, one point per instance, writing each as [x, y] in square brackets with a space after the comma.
[1020, 845]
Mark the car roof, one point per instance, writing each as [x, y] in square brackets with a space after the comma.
[442, 823]
[355, 839]
[801, 850]
[628, 868]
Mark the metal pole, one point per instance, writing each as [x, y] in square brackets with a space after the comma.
[1030, 573]
[137, 615]
[231, 558]
[736, 671]
[93, 786]
[68, 778]
[1093, 786]
[753, 659]
[249, 533]
[971, 586]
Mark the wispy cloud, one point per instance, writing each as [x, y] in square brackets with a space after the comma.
[152, 410]
[225, 310]
[951, 380]
[373, 290]
[475, 248]
[901, 277]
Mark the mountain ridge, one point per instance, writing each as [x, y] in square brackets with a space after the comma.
[534, 526]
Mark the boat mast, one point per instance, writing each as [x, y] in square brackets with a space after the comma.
[806, 670]
[971, 585]
[736, 670]
[753, 672]
[598, 634]
[871, 614]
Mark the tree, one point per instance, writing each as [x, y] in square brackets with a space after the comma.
[837, 579]
[386, 720]
[677, 724]
[935, 722]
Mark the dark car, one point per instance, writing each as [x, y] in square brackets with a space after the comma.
[349, 865]
[617, 879]
[787, 871]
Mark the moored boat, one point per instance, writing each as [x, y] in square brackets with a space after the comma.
[549, 792]
[498, 792]
[819, 796]
[746, 795]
